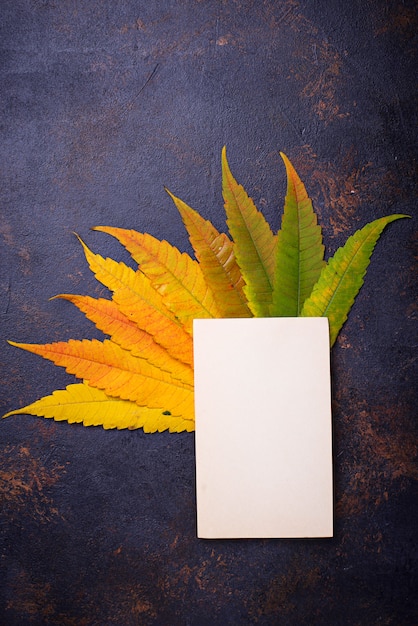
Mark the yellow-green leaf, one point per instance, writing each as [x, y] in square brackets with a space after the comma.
[215, 253]
[254, 243]
[108, 318]
[342, 277]
[80, 403]
[116, 371]
[299, 252]
[176, 276]
[142, 304]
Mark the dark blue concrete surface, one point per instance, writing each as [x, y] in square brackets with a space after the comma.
[105, 102]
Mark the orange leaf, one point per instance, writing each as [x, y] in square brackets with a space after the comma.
[107, 317]
[116, 371]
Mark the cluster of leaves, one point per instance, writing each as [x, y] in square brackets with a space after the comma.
[142, 375]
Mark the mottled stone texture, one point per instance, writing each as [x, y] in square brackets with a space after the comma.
[103, 103]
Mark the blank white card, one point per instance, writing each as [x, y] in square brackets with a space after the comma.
[263, 428]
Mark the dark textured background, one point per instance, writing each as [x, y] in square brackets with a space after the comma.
[103, 103]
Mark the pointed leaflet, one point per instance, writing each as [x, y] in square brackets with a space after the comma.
[299, 252]
[215, 253]
[108, 318]
[254, 242]
[176, 276]
[79, 403]
[142, 304]
[342, 277]
[118, 373]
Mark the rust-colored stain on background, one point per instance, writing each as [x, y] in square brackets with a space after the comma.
[24, 483]
[382, 462]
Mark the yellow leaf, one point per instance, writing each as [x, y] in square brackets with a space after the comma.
[176, 276]
[116, 371]
[108, 318]
[142, 304]
[215, 253]
[254, 242]
[80, 403]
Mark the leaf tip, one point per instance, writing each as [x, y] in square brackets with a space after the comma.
[59, 296]
[29, 347]
[225, 165]
[288, 165]
[62, 296]
[100, 229]
[80, 240]
[172, 196]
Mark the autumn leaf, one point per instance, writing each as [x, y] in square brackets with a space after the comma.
[82, 404]
[175, 275]
[142, 304]
[299, 250]
[342, 277]
[119, 374]
[215, 253]
[108, 318]
[254, 242]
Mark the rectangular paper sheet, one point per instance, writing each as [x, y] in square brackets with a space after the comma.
[263, 428]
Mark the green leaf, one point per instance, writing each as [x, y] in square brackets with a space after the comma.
[254, 242]
[342, 277]
[215, 253]
[299, 251]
